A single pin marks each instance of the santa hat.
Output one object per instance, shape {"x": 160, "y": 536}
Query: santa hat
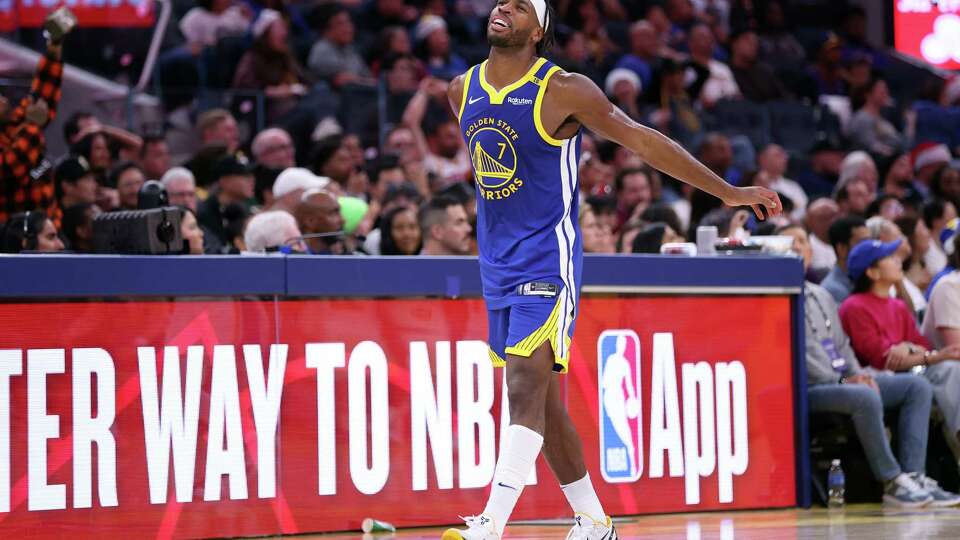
{"x": 428, "y": 24}
{"x": 262, "y": 24}
{"x": 928, "y": 153}
{"x": 622, "y": 74}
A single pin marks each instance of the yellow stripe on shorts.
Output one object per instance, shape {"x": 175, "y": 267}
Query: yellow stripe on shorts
{"x": 538, "y": 336}
{"x": 495, "y": 359}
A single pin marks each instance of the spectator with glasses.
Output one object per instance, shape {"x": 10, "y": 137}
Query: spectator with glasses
{"x": 274, "y": 148}
{"x": 30, "y": 231}
{"x": 181, "y": 188}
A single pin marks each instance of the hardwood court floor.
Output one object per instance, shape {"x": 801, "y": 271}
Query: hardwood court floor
{"x": 856, "y": 522}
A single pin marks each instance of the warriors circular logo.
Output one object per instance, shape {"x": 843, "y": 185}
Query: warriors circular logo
{"x": 494, "y": 158}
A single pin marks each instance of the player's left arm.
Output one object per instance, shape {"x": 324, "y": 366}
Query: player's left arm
{"x": 583, "y": 101}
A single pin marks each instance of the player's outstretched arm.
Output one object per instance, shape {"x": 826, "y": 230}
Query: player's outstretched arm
{"x": 586, "y": 103}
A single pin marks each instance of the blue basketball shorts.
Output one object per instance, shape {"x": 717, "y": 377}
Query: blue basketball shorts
{"x": 521, "y": 328}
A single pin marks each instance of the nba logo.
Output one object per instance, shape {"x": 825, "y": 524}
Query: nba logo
{"x": 621, "y": 434}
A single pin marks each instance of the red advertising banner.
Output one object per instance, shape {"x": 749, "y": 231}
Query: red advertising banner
{"x": 90, "y": 13}
{"x": 928, "y": 30}
{"x": 247, "y": 418}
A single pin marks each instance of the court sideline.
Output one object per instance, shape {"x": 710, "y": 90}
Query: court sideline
{"x": 856, "y": 522}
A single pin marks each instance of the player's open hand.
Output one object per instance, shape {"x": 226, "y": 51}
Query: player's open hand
{"x": 765, "y": 202}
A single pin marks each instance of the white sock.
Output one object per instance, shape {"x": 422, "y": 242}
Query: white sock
{"x": 517, "y": 458}
{"x": 583, "y": 499}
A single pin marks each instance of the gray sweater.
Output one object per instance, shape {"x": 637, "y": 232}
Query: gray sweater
{"x": 819, "y": 367}
{"x": 327, "y": 60}
{"x": 875, "y": 135}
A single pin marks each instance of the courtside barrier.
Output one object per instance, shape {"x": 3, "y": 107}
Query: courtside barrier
{"x": 187, "y": 397}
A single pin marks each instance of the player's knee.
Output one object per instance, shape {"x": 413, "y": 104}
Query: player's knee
{"x": 523, "y": 398}
{"x": 526, "y": 391}
{"x": 523, "y": 374}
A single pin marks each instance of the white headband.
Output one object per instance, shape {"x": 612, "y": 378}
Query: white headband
{"x": 540, "y": 6}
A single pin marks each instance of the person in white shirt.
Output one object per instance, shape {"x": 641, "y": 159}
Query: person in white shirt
{"x": 211, "y": 20}
{"x": 772, "y": 163}
{"x": 941, "y": 326}
{"x": 721, "y": 84}
{"x": 820, "y": 215}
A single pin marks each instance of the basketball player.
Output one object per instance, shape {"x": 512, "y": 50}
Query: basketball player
{"x": 521, "y": 118}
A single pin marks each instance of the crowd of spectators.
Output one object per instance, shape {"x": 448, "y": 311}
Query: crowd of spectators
{"x": 688, "y": 68}
{"x": 869, "y": 177}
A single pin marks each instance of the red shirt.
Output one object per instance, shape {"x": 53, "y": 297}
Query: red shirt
{"x": 875, "y": 324}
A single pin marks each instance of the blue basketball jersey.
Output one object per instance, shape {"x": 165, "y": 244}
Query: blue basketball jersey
{"x": 527, "y": 193}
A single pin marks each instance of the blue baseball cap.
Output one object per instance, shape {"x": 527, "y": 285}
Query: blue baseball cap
{"x": 868, "y": 252}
